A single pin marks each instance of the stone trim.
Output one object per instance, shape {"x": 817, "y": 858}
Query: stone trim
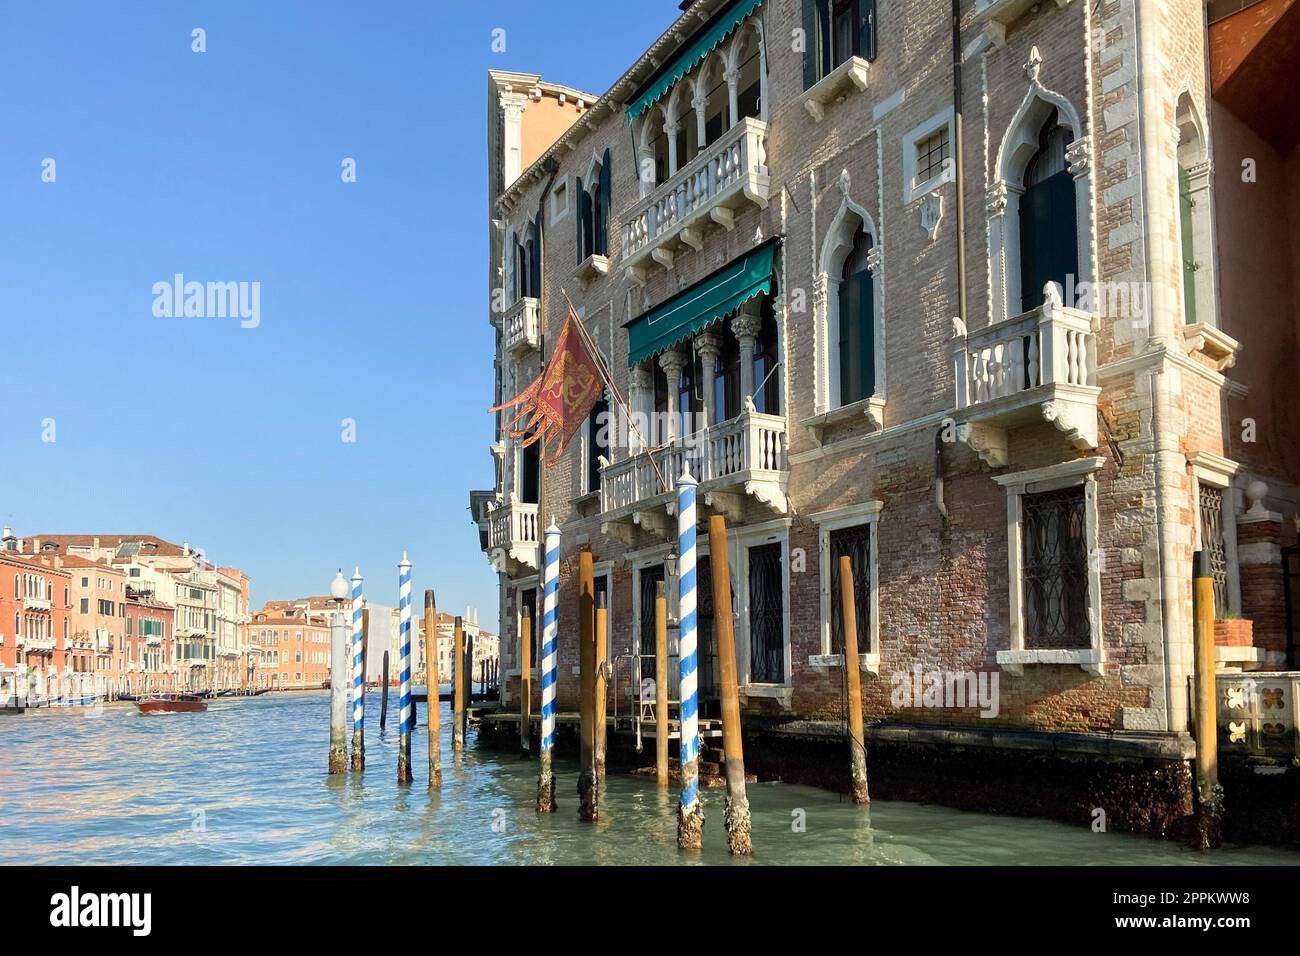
{"x": 868, "y": 513}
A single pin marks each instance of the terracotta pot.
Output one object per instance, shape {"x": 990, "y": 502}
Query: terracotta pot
{"x": 1234, "y": 633}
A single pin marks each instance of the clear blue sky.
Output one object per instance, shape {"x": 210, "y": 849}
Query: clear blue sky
{"x": 225, "y": 166}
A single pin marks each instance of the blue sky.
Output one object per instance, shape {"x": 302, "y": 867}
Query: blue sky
{"x": 225, "y": 166}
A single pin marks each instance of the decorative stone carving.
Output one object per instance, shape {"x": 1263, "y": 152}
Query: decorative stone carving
{"x": 958, "y": 327}
{"x": 1078, "y": 424}
{"x": 931, "y": 214}
{"x": 988, "y": 442}
{"x": 1078, "y": 155}
{"x": 996, "y": 201}
{"x": 1033, "y": 65}
{"x": 875, "y": 258}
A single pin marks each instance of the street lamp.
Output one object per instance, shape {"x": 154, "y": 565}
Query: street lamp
{"x": 339, "y": 588}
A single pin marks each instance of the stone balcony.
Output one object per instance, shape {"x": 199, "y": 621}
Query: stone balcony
{"x": 706, "y": 192}
{"x": 514, "y": 534}
{"x": 745, "y": 456}
{"x": 36, "y": 604}
{"x": 1039, "y": 366}
{"x": 39, "y": 643}
{"x": 994, "y": 17}
{"x": 520, "y": 327}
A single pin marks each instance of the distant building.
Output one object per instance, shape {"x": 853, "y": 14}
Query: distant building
{"x": 294, "y": 648}
{"x": 35, "y": 601}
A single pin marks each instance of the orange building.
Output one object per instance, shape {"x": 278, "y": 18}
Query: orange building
{"x": 295, "y": 648}
{"x": 96, "y": 644}
{"x": 35, "y": 599}
{"x": 148, "y": 625}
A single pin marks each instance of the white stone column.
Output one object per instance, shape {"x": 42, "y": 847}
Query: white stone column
{"x": 700, "y": 104}
{"x": 746, "y": 325}
{"x": 672, "y": 362}
{"x": 709, "y": 347}
{"x": 733, "y": 97}
{"x": 641, "y": 386}
{"x": 670, "y": 133}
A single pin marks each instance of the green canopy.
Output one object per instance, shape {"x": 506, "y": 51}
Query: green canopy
{"x": 722, "y": 27}
{"x": 704, "y": 303}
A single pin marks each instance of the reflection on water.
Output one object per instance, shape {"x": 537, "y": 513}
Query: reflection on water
{"x": 246, "y": 783}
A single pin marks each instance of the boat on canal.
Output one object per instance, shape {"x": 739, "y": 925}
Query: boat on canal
{"x": 172, "y": 704}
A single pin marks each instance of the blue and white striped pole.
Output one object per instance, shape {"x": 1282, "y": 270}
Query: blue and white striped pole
{"x": 550, "y": 655}
{"x": 404, "y": 669}
{"x": 690, "y": 815}
{"x": 358, "y": 679}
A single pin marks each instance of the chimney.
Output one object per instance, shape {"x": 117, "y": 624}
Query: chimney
{"x": 9, "y": 542}
{"x": 185, "y": 549}
{"x": 95, "y": 543}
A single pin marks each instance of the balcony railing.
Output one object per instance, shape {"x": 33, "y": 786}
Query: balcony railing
{"x": 514, "y": 531}
{"x": 708, "y": 189}
{"x": 520, "y": 329}
{"x": 1259, "y": 714}
{"x": 36, "y": 604}
{"x": 39, "y": 643}
{"x": 1042, "y": 364}
{"x": 748, "y": 451}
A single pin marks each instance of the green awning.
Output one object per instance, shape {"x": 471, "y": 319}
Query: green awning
{"x": 722, "y": 27}
{"x": 695, "y": 309}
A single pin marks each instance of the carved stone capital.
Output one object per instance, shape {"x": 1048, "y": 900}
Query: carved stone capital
{"x": 708, "y": 344}
{"x": 746, "y": 325}
{"x": 996, "y": 201}
{"x": 672, "y": 362}
{"x": 641, "y": 377}
{"x": 1078, "y": 155}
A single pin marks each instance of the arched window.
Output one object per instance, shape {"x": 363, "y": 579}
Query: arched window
{"x": 592, "y": 220}
{"x": 1194, "y": 226}
{"x": 1049, "y": 250}
{"x": 856, "y": 326}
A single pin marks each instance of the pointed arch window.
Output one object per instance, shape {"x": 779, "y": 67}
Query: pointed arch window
{"x": 856, "y": 330}
{"x": 592, "y": 221}
{"x": 1049, "y": 250}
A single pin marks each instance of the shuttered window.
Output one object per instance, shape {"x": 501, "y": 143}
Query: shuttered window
{"x": 592, "y": 222}
{"x": 1189, "y": 254}
{"x": 856, "y": 326}
{"x": 1049, "y": 250}
{"x": 834, "y": 31}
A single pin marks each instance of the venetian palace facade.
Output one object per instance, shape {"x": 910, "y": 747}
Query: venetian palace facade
{"x": 988, "y": 329}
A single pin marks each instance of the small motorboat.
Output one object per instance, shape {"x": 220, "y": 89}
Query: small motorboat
{"x": 172, "y": 704}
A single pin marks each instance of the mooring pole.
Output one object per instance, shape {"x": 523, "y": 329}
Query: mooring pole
{"x": 468, "y": 673}
{"x": 404, "y": 774}
{"x": 550, "y": 593}
{"x": 1209, "y": 794}
{"x": 432, "y": 680}
{"x": 587, "y": 809}
{"x": 525, "y": 681}
{"x": 853, "y": 673}
{"x": 601, "y": 654}
{"x": 358, "y": 676}
{"x": 338, "y": 693}
{"x": 690, "y": 815}
{"x": 458, "y": 687}
{"x": 661, "y": 685}
{"x": 383, "y": 696}
{"x": 735, "y": 814}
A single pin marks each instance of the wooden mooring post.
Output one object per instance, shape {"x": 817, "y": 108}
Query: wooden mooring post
{"x": 853, "y": 675}
{"x": 1209, "y": 795}
{"x": 661, "y": 685}
{"x": 525, "y": 682}
{"x": 383, "y": 696}
{"x": 458, "y": 687}
{"x": 601, "y": 677}
{"x": 432, "y": 680}
{"x": 587, "y": 809}
{"x": 735, "y": 814}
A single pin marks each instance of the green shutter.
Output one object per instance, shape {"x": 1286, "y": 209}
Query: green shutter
{"x": 812, "y": 71}
{"x": 602, "y": 227}
{"x": 867, "y": 29}
{"x": 1189, "y": 253}
{"x": 578, "y": 206}
{"x": 857, "y": 338}
{"x": 1049, "y": 249}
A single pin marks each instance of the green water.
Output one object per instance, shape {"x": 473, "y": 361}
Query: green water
{"x": 246, "y": 783}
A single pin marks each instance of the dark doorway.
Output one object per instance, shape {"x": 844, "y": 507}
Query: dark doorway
{"x": 766, "y": 616}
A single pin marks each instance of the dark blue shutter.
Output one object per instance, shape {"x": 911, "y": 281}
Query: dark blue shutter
{"x": 867, "y": 29}
{"x": 1049, "y": 250}
{"x": 535, "y": 267}
{"x": 857, "y": 338}
{"x": 813, "y": 18}
{"x": 602, "y": 227}
{"x": 579, "y": 206}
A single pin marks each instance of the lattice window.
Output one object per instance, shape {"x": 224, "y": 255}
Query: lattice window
{"x": 1212, "y": 543}
{"x": 766, "y": 616}
{"x": 856, "y": 543}
{"x": 1055, "y": 569}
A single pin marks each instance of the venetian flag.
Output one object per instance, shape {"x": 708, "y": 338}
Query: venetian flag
{"x": 557, "y": 403}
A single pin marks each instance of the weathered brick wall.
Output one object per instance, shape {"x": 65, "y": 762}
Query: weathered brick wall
{"x": 943, "y": 587}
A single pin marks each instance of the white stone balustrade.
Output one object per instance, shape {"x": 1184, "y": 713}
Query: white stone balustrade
{"x": 520, "y": 329}
{"x": 747, "y": 452}
{"x": 707, "y": 190}
{"x": 1042, "y": 363}
{"x": 513, "y": 530}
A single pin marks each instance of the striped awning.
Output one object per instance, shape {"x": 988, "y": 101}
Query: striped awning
{"x": 723, "y": 25}
{"x": 695, "y": 309}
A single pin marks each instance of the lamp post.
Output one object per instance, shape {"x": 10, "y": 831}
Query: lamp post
{"x": 338, "y": 759}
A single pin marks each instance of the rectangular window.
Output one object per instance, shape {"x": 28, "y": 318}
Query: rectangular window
{"x": 766, "y": 615}
{"x": 931, "y": 154}
{"x": 1054, "y": 569}
{"x": 856, "y": 543}
{"x": 1214, "y": 544}
{"x": 528, "y": 603}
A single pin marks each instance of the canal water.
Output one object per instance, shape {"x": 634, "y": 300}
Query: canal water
{"x": 245, "y": 783}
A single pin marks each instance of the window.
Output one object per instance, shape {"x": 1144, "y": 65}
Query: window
{"x": 528, "y": 607}
{"x": 766, "y": 615}
{"x": 592, "y": 221}
{"x": 855, "y": 543}
{"x": 932, "y": 154}
{"x": 596, "y": 442}
{"x": 559, "y": 201}
{"x": 85, "y": 605}
{"x": 1049, "y": 249}
{"x": 1054, "y": 568}
{"x": 1212, "y": 542}
{"x": 856, "y": 302}
{"x": 834, "y": 32}
{"x": 530, "y": 473}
